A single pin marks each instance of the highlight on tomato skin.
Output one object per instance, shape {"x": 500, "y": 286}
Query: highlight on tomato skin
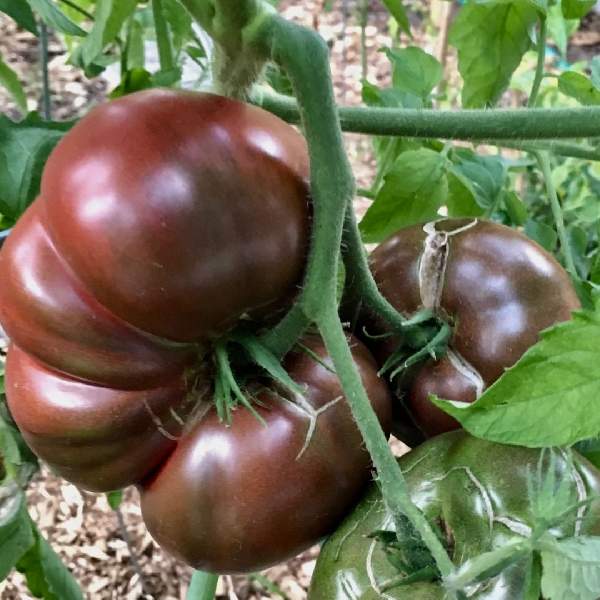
{"x": 146, "y": 242}
{"x": 497, "y": 289}
{"x": 246, "y": 497}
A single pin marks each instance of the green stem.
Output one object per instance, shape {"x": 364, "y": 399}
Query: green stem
{"x": 560, "y": 148}
{"x": 280, "y": 339}
{"x": 163, "y": 38}
{"x": 364, "y": 20}
{"x": 539, "y": 71}
{"x": 305, "y": 57}
{"x": 46, "y": 104}
{"x": 544, "y": 162}
{"x": 390, "y": 476}
{"x": 360, "y": 276}
{"x": 203, "y": 586}
{"x": 483, "y": 124}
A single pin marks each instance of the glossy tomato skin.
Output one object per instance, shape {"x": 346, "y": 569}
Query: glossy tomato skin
{"x": 240, "y": 499}
{"x": 186, "y": 204}
{"x": 99, "y": 438}
{"x": 496, "y": 287}
{"x": 475, "y": 489}
{"x": 163, "y": 219}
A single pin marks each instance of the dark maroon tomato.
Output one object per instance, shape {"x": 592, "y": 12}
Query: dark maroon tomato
{"x": 162, "y": 220}
{"x": 243, "y": 498}
{"x": 498, "y": 289}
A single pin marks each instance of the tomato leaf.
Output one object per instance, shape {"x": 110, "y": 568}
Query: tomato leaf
{"x": 484, "y": 175}
{"x": 578, "y": 86}
{"x": 560, "y": 29}
{"x": 397, "y": 10}
{"x": 55, "y": 18}
{"x": 543, "y": 234}
{"x": 415, "y": 71}
{"x": 577, "y": 9}
{"x": 557, "y": 377}
{"x": 491, "y": 40}
{"x": 47, "y": 576}
{"x": 20, "y": 11}
{"x": 461, "y": 196}
{"x": 108, "y": 20}
{"x": 16, "y": 536}
{"x": 571, "y": 568}
{"x": 24, "y": 149}
{"x": 9, "y": 79}
{"x": 414, "y": 189}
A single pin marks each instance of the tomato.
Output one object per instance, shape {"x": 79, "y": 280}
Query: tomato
{"x": 243, "y": 498}
{"x": 477, "y": 492}
{"x": 496, "y": 287}
{"x": 162, "y": 220}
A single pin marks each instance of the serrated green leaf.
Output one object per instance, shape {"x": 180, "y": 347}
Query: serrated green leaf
{"x": 571, "y": 569}
{"x": 578, "y": 86}
{"x": 491, "y": 40}
{"x": 16, "y": 536}
{"x": 577, "y": 9}
{"x": 415, "y": 71}
{"x": 20, "y": 11}
{"x": 414, "y": 189}
{"x": 47, "y": 577}
{"x": 9, "y": 80}
{"x": 55, "y": 18}
{"x": 558, "y": 376}
{"x": 24, "y": 149}
{"x": 109, "y": 17}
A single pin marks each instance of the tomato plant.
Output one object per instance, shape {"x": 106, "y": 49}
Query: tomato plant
{"x": 169, "y": 252}
{"x": 454, "y": 479}
{"x": 498, "y": 290}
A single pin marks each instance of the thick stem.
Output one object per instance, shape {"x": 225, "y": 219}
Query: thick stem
{"x": 544, "y": 162}
{"x": 390, "y": 476}
{"x": 476, "y": 125}
{"x": 539, "y": 71}
{"x": 203, "y": 586}
{"x": 280, "y": 339}
{"x": 305, "y": 58}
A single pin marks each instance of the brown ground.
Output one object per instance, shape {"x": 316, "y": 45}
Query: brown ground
{"x": 80, "y": 526}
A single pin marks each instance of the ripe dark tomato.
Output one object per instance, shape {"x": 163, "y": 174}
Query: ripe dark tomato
{"x": 496, "y": 287}
{"x": 248, "y": 496}
{"x": 163, "y": 218}
{"x": 477, "y": 493}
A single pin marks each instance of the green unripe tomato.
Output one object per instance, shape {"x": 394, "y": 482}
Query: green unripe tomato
{"x": 476, "y": 493}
